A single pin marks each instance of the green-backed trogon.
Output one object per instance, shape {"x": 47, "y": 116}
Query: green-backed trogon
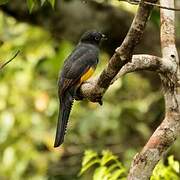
{"x": 77, "y": 68}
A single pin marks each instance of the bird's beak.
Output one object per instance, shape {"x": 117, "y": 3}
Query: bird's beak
{"x": 104, "y": 37}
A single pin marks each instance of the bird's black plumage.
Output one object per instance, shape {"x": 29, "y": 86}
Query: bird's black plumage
{"x": 83, "y": 58}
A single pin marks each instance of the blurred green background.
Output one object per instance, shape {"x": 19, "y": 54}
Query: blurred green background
{"x": 133, "y": 106}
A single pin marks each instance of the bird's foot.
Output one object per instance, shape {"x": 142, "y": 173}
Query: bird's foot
{"x": 93, "y": 98}
{"x": 97, "y": 98}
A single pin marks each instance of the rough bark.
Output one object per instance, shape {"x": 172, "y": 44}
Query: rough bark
{"x": 142, "y": 62}
{"x": 169, "y": 130}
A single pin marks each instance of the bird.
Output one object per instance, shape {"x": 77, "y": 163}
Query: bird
{"x": 78, "y": 67}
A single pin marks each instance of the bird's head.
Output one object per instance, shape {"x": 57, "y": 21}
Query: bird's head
{"x": 92, "y": 37}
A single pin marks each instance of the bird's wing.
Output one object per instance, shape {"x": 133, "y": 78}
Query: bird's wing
{"x": 74, "y": 69}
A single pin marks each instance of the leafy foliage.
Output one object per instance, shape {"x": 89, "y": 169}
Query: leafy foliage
{"x": 108, "y": 167}
{"x": 24, "y": 102}
{"x": 3, "y": 1}
{"x": 32, "y": 3}
{"x": 163, "y": 172}
{"x": 52, "y": 2}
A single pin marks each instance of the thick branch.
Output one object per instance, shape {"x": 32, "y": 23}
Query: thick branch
{"x": 142, "y": 62}
{"x": 152, "y": 152}
{"x": 145, "y": 62}
{"x": 169, "y": 130}
{"x": 122, "y": 55}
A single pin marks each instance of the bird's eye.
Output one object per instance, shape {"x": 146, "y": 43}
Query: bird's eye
{"x": 97, "y": 38}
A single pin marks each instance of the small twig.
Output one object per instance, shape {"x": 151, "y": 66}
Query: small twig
{"x": 7, "y": 62}
{"x": 136, "y": 2}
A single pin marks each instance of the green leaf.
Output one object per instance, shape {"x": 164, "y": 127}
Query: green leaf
{"x": 89, "y": 155}
{"x": 42, "y": 2}
{"x": 117, "y": 174}
{"x": 90, "y": 158}
{"x": 52, "y": 2}
{"x": 88, "y": 165}
{"x": 171, "y": 171}
{"x": 101, "y": 173}
{"x": 3, "y": 2}
{"x": 107, "y": 156}
{"x": 174, "y": 164}
{"x": 158, "y": 170}
{"x": 30, "y": 4}
{"x": 112, "y": 167}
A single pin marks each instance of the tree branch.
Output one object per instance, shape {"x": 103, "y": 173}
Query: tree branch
{"x": 142, "y": 62}
{"x": 145, "y": 62}
{"x": 123, "y": 54}
{"x": 136, "y": 2}
{"x": 169, "y": 130}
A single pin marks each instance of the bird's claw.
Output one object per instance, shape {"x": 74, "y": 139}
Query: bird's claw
{"x": 98, "y": 99}
{"x": 94, "y": 98}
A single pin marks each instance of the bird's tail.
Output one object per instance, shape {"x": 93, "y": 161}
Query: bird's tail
{"x": 64, "y": 112}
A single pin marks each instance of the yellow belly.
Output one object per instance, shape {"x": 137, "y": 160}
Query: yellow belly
{"x": 87, "y": 75}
